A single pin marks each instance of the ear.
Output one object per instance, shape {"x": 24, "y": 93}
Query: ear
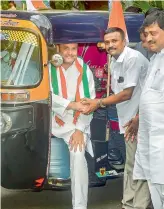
{"x": 125, "y": 42}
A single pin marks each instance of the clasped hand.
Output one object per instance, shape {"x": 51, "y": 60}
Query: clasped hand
{"x": 86, "y": 106}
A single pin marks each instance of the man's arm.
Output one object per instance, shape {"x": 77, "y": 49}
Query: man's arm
{"x": 124, "y": 95}
{"x": 85, "y": 120}
{"x": 113, "y": 99}
{"x": 131, "y": 76}
{"x": 60, "y": 105}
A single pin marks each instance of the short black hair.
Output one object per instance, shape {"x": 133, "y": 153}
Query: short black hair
{"x": 141, "y": 30}
{"x": 151, "y": 10}
{"x": 115, "y": 29}
{"x": 155, "y": 17}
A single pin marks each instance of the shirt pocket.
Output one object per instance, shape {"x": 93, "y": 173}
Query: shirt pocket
{"x": 157, "y": 83}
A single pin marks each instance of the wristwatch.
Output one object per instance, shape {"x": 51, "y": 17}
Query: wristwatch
{"x": 100, "y": 103}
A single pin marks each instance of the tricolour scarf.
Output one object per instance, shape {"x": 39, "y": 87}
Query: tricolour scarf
{"x": 82, "y": 78}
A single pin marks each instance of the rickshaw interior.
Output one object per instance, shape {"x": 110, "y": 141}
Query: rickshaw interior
{"x": 21, "y": 60}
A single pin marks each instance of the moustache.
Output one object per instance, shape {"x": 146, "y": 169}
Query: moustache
{"x": 110, "y": 48}
{"x": 151, "y": 42}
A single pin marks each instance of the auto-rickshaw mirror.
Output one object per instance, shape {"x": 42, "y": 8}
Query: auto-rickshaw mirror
{"x": 54, "y": 57}
{"x": 57, "y": 60}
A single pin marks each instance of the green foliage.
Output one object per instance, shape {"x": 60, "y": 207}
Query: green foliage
{"x": 67, "y": 5}
{"x": 62, "y": 5}
{"x": 81, "y": 5}
{"x": 145, "y": 5}
{"x": 158, "y": 4}
{"x": 4, "y": 5}
{"x": 104, "y": 8}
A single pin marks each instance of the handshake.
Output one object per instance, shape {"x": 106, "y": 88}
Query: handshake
{"x": 85, "y": 106}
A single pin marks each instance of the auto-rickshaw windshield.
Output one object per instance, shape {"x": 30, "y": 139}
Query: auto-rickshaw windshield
{"x": 20, "y": 58}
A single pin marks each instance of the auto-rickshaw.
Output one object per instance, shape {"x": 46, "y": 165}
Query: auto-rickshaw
{"x": 29, "y": 159}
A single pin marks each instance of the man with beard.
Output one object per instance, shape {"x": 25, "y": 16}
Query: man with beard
{"x": 128, "y": 72}
{"x": 149, "y": 160}
{"x": 71, "y": 82}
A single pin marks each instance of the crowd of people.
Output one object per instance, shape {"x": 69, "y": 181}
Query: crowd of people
{"x": 137, "y": 80}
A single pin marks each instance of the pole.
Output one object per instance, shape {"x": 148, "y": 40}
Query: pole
{"x": 108, "y": 92}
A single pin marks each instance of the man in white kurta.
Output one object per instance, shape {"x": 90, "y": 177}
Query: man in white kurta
{"x": 149, "y": 159}
{"x": 74, "y": 135}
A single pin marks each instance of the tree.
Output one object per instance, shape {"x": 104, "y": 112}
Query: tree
{"x": 67, "y": 5}
{"x": 4, "y": 5}
{"x": 145, "y": 5}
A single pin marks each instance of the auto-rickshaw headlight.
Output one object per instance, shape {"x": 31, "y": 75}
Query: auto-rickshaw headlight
{"x": 5, "y": 123}
{"x": 16, "y": 119}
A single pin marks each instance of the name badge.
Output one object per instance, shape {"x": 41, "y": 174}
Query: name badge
{"x": 120, "y": 80}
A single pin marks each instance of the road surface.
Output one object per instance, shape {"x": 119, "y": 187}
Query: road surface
{"x": 108, "y": 197}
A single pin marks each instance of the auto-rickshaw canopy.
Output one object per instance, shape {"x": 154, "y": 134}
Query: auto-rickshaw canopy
{"x": 76, "y": 26}
{"x": 26, "y": 103}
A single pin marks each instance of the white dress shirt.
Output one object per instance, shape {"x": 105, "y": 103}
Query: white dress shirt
{"x": 129, "y": 70}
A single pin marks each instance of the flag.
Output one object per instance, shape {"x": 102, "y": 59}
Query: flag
{"x": 116, "y": 17}
{"x": 37, "y": 4}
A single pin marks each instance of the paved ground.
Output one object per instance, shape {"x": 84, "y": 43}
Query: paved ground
{"x": 107, "y": 197}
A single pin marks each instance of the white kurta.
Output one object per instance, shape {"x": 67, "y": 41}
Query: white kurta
{"x": 149, "y": 160}
{"x": 78, "y": 164}
{"x": 59, "y": 105}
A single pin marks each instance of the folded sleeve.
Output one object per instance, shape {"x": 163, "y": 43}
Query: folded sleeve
{"x": 59, "y": 105}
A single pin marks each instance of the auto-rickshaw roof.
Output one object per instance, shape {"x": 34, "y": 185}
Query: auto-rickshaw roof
{"x": 79, "y": 26}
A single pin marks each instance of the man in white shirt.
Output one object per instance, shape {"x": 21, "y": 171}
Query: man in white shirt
{"x": 70, "y": 83}
{"x": 149, "y": 159}
{"x": 128, "y": 72}
{"x": 143, "y": 46}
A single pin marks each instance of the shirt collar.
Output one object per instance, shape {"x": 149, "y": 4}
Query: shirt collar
{"x": 71, "y": 66}
{"x": 162, "y": 51}
{"x": 121, "y": 57}
{"x": 159, "y": 53}
{"x": 153, "y": 57}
